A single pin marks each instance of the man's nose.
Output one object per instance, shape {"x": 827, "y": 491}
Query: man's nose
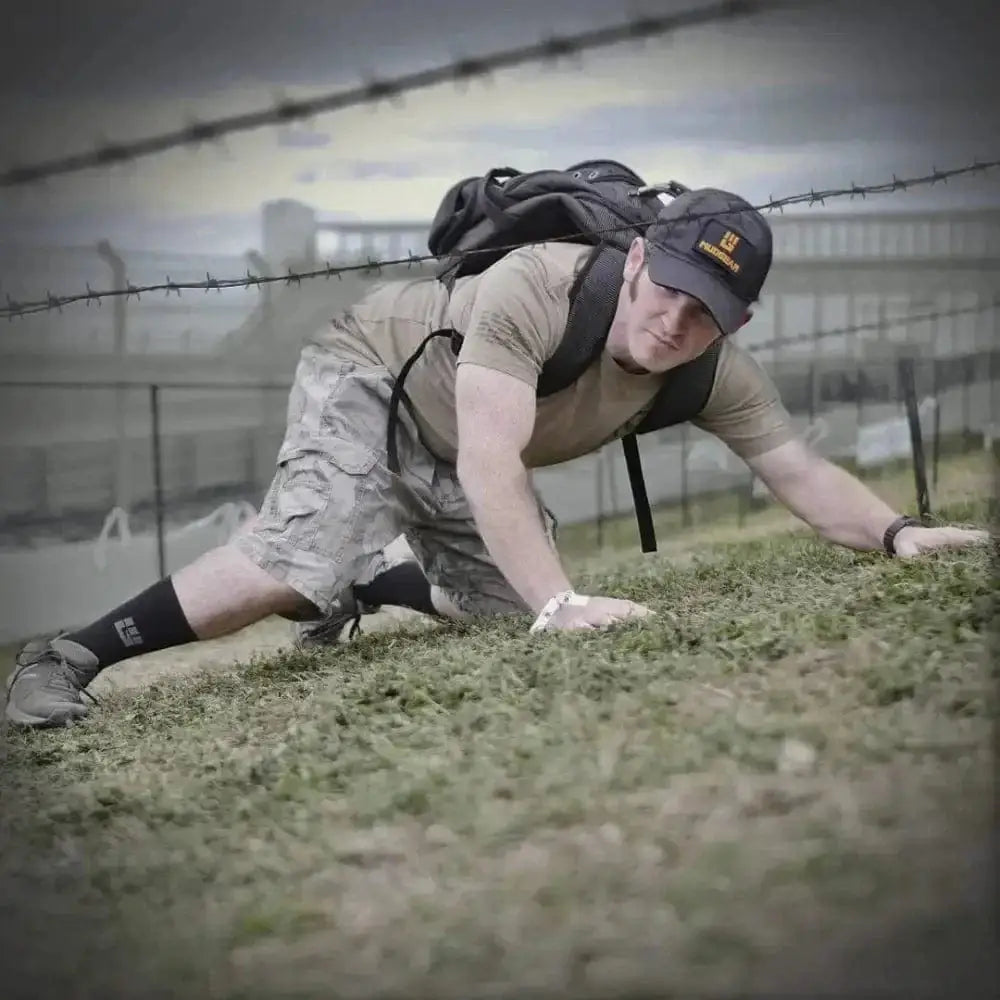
{"x": 688, "y": 312}
{"x": 680, "y": 319}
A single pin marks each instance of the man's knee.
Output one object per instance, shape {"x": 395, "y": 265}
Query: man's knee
{"x": 280, "y": 596}
{"x": 225, "y": 589}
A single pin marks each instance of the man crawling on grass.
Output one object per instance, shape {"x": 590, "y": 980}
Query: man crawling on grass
{"x": 470, "y": 429}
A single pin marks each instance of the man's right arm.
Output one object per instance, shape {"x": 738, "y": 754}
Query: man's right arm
{"x": 511, "y": 330}
{"x": 496, "y": 417}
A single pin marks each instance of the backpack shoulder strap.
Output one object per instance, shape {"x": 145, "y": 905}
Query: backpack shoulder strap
{"x": 684, "y": 392}
{"x": 593, "y": 300}
{"x": 398, "y": 394}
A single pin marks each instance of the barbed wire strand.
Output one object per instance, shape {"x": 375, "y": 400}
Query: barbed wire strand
{"x": 392, "y": 89}
{"x": 51, "y": 302}
{"x": 882, "y": 324}
{"x": 886, "y": 323}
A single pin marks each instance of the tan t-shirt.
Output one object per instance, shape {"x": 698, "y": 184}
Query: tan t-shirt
{"x": 512, "y": 318}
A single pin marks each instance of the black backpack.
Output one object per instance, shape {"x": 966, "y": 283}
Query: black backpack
{"x": 598, "y": 202}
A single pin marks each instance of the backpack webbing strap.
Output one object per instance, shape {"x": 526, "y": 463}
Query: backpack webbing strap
{"x": 643, "y": 515}
{"x": 686, "y": 391}
{"x": 593, "y": 301}
{"x": 392, "y": 453}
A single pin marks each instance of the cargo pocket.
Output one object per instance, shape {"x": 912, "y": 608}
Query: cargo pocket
{"x": 325, "y": 484}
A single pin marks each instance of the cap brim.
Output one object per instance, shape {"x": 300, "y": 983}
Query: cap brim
{"x": 728, "y": 310}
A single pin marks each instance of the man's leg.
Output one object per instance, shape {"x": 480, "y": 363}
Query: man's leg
{"x": 463, "y": 578}
{"x": 327, "y": 512}
{"x": 219, "y": 593}
{"x": 445, "y": 571}
{"x": 393, "y": 577}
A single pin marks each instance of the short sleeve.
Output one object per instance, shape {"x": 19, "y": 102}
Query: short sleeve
{"x": 744, "y": 409}
{"x": 516, "y": 317}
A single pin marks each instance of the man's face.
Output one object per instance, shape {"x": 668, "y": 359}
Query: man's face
{"x": 660, "y": 328}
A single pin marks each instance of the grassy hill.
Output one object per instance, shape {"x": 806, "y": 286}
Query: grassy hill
{"x": 787, "y": 776}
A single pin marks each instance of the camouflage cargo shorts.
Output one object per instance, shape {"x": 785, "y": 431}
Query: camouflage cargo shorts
{"x": 334, "y": 506}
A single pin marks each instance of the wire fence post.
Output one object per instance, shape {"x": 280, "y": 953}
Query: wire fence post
{"x": 969, "y": 375}
{"x": 859, "y": 392}
{"x": 936, "y": 452}
{"x": 154, "y": 412}
{"x": 814, "y": 357}
{"x": 612, "y": 488}
{"x": 685, "y": 497}
{"x": 122, "y": 487}
{"x": 909, "y": 388}
{"x": 599, "y": 476}
{"x": 778, "y": 328}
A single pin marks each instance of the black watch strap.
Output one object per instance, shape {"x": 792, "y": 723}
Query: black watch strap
{"x": 889, "y": 538}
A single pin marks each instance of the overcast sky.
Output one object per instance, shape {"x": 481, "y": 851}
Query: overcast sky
{"x": 842, "y": 91}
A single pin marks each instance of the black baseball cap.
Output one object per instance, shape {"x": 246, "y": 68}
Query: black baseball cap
{"x": 720, "y": 255}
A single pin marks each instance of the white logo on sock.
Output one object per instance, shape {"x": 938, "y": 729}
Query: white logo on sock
{"x": 128, "y": 633}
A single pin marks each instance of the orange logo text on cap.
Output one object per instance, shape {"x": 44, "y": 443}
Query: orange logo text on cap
{"x": 720, "y": 254}
{"x": 729, "y": 242}
{"x": 725, "y": 246}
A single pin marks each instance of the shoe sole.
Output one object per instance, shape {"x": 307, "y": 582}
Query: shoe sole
{"x": 19, "y": 718}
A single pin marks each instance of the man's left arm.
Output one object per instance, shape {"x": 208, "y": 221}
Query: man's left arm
{"x": 841, "y": 508}
{"x": 745, "y": 412}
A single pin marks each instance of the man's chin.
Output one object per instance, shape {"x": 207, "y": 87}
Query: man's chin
{"x": 658, "y": 362}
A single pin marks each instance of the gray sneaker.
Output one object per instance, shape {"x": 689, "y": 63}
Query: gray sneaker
{"x": 48, "y": 683}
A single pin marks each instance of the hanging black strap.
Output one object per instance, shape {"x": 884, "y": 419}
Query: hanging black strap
{"x": 643, "y": 515}
{"x": 392, "y": 453}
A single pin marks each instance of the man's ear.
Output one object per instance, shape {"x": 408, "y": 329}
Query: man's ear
{"x": 634, "y": 259}
{"x": 747, "y": 316}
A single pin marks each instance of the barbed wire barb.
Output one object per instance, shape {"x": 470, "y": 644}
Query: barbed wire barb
{"x": 464, "y": 68}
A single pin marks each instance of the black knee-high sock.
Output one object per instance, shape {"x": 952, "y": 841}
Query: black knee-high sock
{"x": 404, "y": 586}
{"x": 147, "y": 622}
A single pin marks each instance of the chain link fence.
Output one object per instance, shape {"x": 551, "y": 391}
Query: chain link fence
{"x": 197, "y": 459}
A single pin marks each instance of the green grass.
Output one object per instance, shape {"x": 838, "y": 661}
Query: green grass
{"x": 452, "y": 810}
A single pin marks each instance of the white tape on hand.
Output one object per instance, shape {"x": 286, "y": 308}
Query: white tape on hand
{"x": 554, "y": 604}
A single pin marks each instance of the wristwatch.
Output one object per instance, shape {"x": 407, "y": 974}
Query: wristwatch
{"x": 889, "y": 538}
